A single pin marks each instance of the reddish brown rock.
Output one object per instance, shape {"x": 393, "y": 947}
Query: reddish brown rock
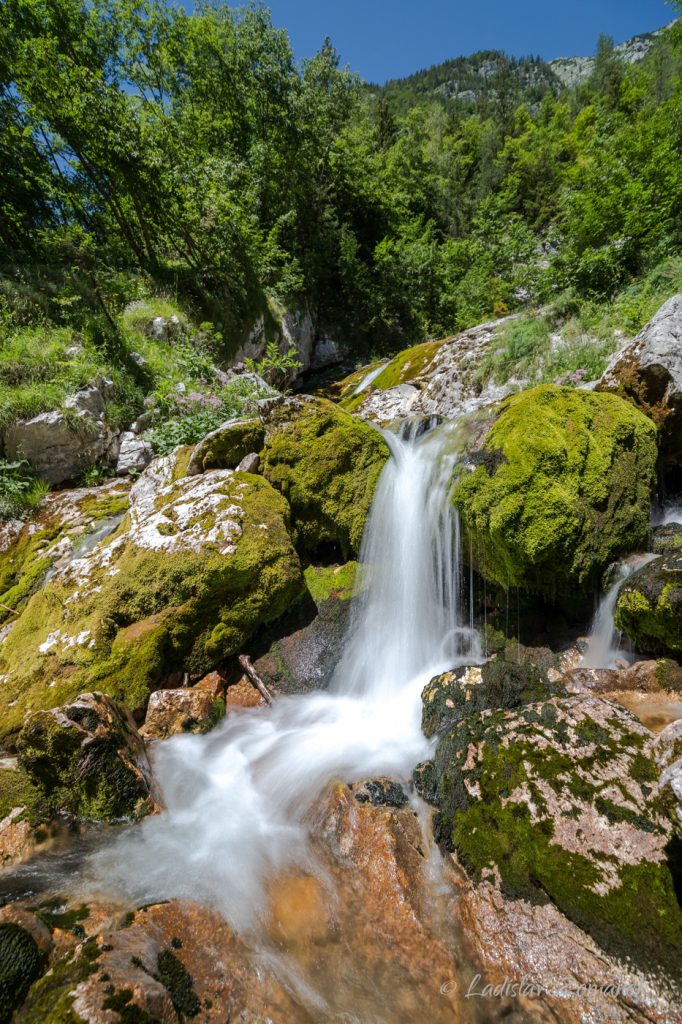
{"x": 214, "y": 683}
{"x": 560, "y": 974}
{"x": 171, "y": 712}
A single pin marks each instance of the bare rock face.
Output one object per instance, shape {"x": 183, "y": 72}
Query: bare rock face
{"x": 133, "y": 454}
{"x": 649, "y": 370}
{"x": 88, "y": 759}
{"x": 536, "y": 959}
{"x": 435, "y": 378}
{"x": 668, "y": 754}
{"x": 559, "y": 801}
{"x": 60, "y": 445}
{"x": 171, "y": 712}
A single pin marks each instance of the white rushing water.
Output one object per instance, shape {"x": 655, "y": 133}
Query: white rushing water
{"x": 235, "y": 799}
{"x": 369, "y": 377}
{"x": 603, "y": 648}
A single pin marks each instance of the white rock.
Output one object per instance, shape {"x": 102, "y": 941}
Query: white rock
{"x": 134, "y": 454}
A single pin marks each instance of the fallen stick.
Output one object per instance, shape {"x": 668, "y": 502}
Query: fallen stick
{"x": 8, "y": 609}
{"x": 254, "y": 678}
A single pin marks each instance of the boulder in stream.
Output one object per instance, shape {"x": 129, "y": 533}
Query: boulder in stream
{"x": 88, "y": 759}
{"x": 559, "y": 801}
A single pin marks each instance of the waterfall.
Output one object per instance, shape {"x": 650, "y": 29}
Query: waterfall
{"x": 235, "y": 799}
{"x": 603, "y": 647}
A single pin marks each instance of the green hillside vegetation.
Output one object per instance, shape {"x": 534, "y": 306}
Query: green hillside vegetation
{"x": 189, "y": 165}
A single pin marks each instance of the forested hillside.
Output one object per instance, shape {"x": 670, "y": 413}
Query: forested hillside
{"x": 155, "y": 157}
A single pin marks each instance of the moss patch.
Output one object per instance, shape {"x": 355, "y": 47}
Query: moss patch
{"x": 560, "y": 489}
{"x": 50, "y": 1000}
{"x": 20, "y": 962}
{"x": 326, "y": 463}
{"x": 143, "y": 613}
{"x": 649, "y": 607}
{"x": 331, "y": 581}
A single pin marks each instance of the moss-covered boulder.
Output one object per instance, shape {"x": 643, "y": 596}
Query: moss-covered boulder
{"x": 667, "y": 539}
{"x": 649, "y": 606}
{"x": 194, "y": 570}
{"x": 452, "y": 696}
{"x": 558, "y": 801}
{"x": 560, "y": 488}
{"x": 88, "y": 759}
{"x": 20, "y": 965}
{"x": 227, "y": 445}
{"x": 326, "y": 463}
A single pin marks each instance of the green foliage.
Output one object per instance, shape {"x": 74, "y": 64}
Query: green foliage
{"x": 190, "y": 417}
{"x": 20, "y": 493}
{"x": 147, "y": 162}
{"x": 276, "y": 367}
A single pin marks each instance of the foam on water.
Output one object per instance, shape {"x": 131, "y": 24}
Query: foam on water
{"x": 235, "y": 800}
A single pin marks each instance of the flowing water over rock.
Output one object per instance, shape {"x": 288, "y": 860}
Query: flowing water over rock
{"x": 236, "y": 800}
{"x": 603, "y": 648}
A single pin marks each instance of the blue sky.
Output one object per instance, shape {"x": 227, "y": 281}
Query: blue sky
{"x": 390, "y": 38}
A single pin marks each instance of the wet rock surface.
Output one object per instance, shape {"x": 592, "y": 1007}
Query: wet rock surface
{"x": 649, "y": 606}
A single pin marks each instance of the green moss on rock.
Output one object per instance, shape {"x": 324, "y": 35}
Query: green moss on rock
{"x": 558, "y": 801}
{"x": 88, "y": 759}
{"x": 326, "y": 463}
{"x": 225, "y": 447}
{"x": 452, "y": 696}
{"x": 561, "y": 487}
{"x": 17, "y": 790}
{"x": 649, "y": 606}
{"x": 50, "y": 999}
{"x": 331, "y": 581}
{"x": 20, "y": 963}
{"x": 149, "y": 600}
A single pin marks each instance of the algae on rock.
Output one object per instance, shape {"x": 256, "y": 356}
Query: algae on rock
{"x": 326, "y": 463}
{"x": 561, "y": 488}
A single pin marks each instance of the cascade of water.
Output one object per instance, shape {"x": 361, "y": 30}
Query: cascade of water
{"x": 235, "y": 799}
{"x": 603, "y": 648}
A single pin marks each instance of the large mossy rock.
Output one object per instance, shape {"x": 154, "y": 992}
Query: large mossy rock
{"x": 649, "y": 606}
{"x": 326, "y": 463}
{"x": 559, "y": 801}
{"x": 561, "y": 487}
{"x": 20, "y": 966}
{"x": 88, "y": 759}
{"x": 196, "y": 567}
{"x": 227, "y": 445}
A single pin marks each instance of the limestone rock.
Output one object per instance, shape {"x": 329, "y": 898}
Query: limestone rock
{"x": 171, "y": 712}
{"x": 59, "y": 445}
{"x": 557, "y": 971}
{"x": 435, "y": 378}
{"x": 559, "y": 801}
{"x": 133, "y": 454}
{"x": 88, "y": 758}
{"x": 649, "y": 369}
{"x": 250, "y": 463}
{"x": 197, "y": 566}
{"x": 452, "y": 696}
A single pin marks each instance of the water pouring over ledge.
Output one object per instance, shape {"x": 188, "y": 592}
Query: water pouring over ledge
{"x": 236, "y": 799}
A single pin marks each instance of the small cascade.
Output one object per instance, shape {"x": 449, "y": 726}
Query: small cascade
{"x": 368, "y": 378}
{"x": 603, "y": 648}
{"x": 235, "y": 800}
